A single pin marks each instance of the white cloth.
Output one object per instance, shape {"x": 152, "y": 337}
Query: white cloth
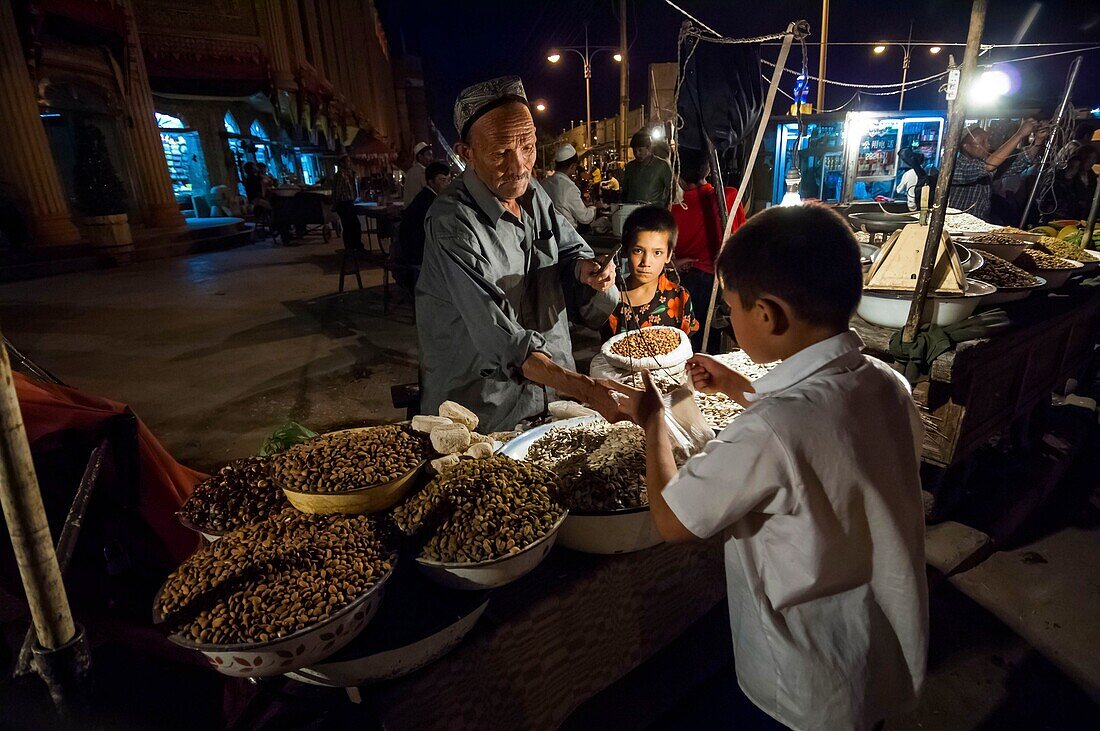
{"x": 566, "y": 197}
{"x": 414, "y": 182}
{"x": 817, "y": 485}
{"x": 908, "y": 186}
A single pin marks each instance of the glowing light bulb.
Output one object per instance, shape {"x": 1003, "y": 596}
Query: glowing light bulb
{"x": 990, "y": 86}
{"x": 618, "y": 57}
{"x": 554, "y": 57}
{"x": 879, "y": 49}
{"x": 934, "y": 50}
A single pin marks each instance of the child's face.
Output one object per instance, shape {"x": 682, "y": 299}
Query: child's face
{"x": 755, "y": 326}
{"x": 648, "y": 256}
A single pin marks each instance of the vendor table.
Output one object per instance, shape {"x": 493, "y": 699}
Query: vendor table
{"x": 558, "y": 637}
{"x": 984, "y": 385}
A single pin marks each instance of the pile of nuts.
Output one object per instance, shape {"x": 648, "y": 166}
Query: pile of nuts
{"x": 1038, "y": 261}
{"x": 240, "y": 493}
{"x": 648, "y": 342}
{"x": 482, "y": 510}
{"x": 349, "y": 460}
{"x": 1000, "y": 273}
{"x": 1064, "y": 249}
{"x": 966, "y": 223}
{"x": 273, "y": 578}
{"x": 992, "y": 239}
{"x": 600, "y": 466}
{"x": 717, "y": 408}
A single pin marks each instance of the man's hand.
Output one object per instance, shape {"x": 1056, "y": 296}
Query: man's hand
{"x": 613, "y": 400}
{"x": 648, "y": 405}
{"x": 1026, "y": 128}
{"x": 1042, "y": 132}
{"x": 598, "y": 278}
{"x": 710, "y": 376}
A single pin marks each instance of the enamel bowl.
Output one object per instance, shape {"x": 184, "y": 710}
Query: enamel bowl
{"x": 495, "y": 572}
{"x": 300, "y": 649}
{"x": 1013, "y": 294}
{"x": 891, "y": 309}
{"x": 1056, "y": 278}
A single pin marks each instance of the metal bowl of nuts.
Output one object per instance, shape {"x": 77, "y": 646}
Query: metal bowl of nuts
{"x": 494, "y": 572}
{"x": 279, "y": 594}
{"x": 298, "y": 650}
{"x": 487, "y": 522}
{"x": 601, "y": 468}
{"x": 354, "y": 471}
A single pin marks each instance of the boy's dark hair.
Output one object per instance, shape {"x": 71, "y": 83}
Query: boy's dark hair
{"x": 649, "y": 218}
{"x": 694, "y": 165}
{"x": 805, "y": 255}
{"x": 436, "y": 168}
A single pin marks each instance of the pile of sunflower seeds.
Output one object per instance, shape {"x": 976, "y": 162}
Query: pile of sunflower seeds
{"x": 1064, "y": 249}
{"x": 717, "y": 408}
{"x": 600, "y": 466}
{"x": 1038, "y": 261}
{"x": 241, "y": 492}
{"x": 1000, "y": 273}
{"x": 482, "y": 510}
{"x": 647, "y": 343}
{"x": 273, "y": 578}
{"x": 350, "y": 460}
{"x": 992, "y": 239}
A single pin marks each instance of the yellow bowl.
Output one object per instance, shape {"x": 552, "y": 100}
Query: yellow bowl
{"x": 360, "y": 501}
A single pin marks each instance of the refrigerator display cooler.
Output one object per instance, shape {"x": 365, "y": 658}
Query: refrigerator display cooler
{"x": 854, "y": 157}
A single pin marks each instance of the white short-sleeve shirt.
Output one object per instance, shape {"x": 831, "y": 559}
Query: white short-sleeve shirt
{"x": 817, "y": 488}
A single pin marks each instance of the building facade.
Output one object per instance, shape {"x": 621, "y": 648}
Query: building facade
{"x": 184, "y": 94}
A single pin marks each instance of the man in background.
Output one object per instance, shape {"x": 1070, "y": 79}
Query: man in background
{"x": 978, "y": 164}
{"x": 415, "y": 177}
{"x": 647, "y": 179}
{"x": 564, "y": 193}
{"x": 409, "y": 253}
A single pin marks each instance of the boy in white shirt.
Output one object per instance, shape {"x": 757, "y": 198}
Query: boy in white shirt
{"x": 815, "y": 486}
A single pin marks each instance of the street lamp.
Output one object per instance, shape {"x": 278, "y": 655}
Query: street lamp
{"x": 906, "y": 48}
{"x": 587, "y": 53}
{"x": 540, "y": 106}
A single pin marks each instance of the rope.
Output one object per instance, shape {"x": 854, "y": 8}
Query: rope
{"x": 908, "y": 84}
{"x": 695, "y": 20}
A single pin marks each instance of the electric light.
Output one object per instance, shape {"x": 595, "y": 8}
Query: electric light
{"x": 934, "y": 50}
{"x": 554, "y": 57}
{"x": 879, "y": 49}
{"x": 658, "y": 133}
{"x": 540, "y": 106}
{"x": 792, "y": 180}
{"x": 990, "y": 86}
{"x": 618, "y": 57}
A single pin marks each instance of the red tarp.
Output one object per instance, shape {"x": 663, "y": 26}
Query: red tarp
{"x": 165, "y": 483}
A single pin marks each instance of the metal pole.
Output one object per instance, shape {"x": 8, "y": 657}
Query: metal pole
{"x": 905, "y": 66}
{"x": 1086, "y": 242}
{"x": 777, "y": 75}
{"x": 956, "y": 119}
{"x": 821, "y": 55}
{"x": 1073, "y": 69}
{"x": 624, "y": 83}
{"x": 904, "y": 76}
{"x": 587, "y": 90}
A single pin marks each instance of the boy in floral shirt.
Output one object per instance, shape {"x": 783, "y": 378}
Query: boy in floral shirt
{"x": 650, "y": 297}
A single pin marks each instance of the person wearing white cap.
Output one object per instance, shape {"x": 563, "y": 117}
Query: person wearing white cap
{"x": 414, "y": 176}
{"x": 564, "y": 192}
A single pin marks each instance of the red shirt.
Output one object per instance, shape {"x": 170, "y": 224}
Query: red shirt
{"x": 700, "y": 235}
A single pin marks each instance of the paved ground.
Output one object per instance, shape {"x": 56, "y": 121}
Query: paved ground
{"x": 215, "y": 351}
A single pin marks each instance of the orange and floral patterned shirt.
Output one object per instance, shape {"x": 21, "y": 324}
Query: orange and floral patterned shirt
{"x": 671, "y": 306}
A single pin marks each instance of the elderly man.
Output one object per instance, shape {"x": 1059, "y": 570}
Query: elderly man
{"x": 647, "y": 178}
{"x": 501, "y": 271}
{"x": 414, "y": 177}
{"x": 978, "y": 164}
{"x": 563, "y": 192}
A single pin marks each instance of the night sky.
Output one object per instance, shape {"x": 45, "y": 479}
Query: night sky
{"x": 472, "y": 40}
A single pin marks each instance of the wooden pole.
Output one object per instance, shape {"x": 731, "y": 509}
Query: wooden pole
{"x": 777, "y": 76}
{"x": 955, "y": 122}
{"x": 26, "y": 518}
{"x": 821, "y": 56}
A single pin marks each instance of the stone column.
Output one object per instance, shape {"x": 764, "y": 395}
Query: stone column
{"x": 27, "y": 162}
{"x": 275, "y": 39}
{"x": 153, "y": 185}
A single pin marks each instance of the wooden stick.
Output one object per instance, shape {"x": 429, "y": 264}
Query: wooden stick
{"x": 26, "y": 519}
{"x": 777, "y": 76}
{"x": 956, "y": 119}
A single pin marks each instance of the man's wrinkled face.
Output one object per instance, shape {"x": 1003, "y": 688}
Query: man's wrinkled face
{"x": 501, "y": 150}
